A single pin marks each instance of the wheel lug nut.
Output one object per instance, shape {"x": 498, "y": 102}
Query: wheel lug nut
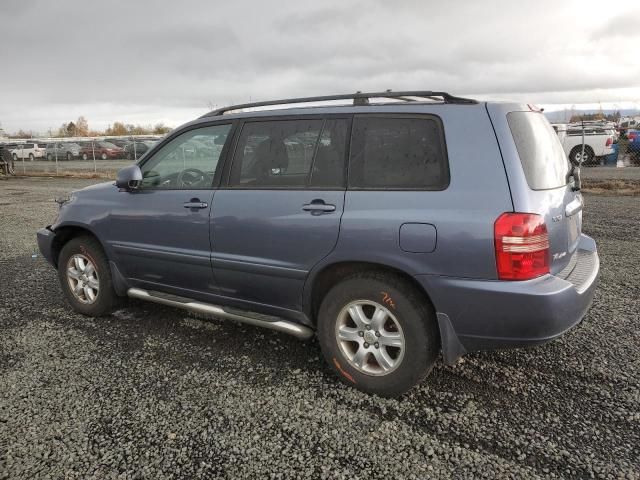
{"x": 377, "y": 345}
{"x": 361, "y": 334}
{"x": 366, "y": 345}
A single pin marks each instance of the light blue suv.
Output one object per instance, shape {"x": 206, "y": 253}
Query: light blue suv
{"x": 394, "y": 226}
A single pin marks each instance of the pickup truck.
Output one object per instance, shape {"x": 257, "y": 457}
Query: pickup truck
{"x": 598, "y": 142}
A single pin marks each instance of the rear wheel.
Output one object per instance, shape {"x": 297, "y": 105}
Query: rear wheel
{"x": 69, "y": 156}
{"x": 103, "y": 156}
{"x": 49, "y": 157}
{"x": 15, "y": 157}
{"x": 577, "y": 158}
{"x": 31, "y": 157}
{"x": 85, "y": 156}
{"x": 85, "y": 277}
{"x": 378, "y": 333}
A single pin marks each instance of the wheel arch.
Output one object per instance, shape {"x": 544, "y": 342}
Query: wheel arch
{"x": 320, "y": 282}
{"x": 65, "y": 233}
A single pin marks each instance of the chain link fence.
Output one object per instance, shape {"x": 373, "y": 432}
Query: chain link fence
{"x": 80, "y": 156}
{"x": 588, "y": 143}
{"x": 591, "y": 143}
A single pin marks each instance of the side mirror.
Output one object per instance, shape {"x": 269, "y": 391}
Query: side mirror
{"x": 129, "y": 178}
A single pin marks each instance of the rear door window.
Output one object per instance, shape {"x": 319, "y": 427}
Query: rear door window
{"x": 543, "y": 159}
{"x": 398, "y": 153}
{"x": 290, "y": 154}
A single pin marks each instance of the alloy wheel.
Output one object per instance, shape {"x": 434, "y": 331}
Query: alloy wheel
{"x": 370, "y": 337}
{"x": 83, "y": 278}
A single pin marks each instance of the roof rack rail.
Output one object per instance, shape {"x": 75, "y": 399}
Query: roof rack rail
{"x": 358, "y": 98}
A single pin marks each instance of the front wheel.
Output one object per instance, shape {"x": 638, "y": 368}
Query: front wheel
{"x": 69, "y": 156}
{"x": 85, "y": 277}
{"x": 378, "y": 333}
{"x": 103, "y": 156}
{"x": 85, "y": 156}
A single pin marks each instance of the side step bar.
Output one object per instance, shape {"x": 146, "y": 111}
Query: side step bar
{"x": 256, "y": 319}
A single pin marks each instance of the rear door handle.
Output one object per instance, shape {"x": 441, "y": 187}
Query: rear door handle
{"x": 195, "y": 204}
{"x": 318, "y": 206}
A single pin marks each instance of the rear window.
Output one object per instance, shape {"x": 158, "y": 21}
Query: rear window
{"x": 543, "y": 160}
{"x": 398, "y": 153}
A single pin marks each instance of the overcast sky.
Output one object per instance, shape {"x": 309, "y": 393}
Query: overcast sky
{"x": 146, "y": 62}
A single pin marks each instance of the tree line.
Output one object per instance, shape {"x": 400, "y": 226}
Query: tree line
{"x": 80, "y": 128}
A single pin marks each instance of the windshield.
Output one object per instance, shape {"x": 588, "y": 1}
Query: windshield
{"x": 543, "y": 159}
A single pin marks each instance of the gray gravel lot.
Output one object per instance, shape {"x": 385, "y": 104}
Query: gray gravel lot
{"x": 151, "y": 392}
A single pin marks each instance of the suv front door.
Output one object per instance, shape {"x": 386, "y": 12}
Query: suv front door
{"x": 160, "y": 232}
{"x": 279, "y": 213}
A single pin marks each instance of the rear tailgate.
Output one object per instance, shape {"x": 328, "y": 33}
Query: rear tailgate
{"x": 538, "y": 173}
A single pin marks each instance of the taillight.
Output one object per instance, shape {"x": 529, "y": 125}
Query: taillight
{"x": 632, "y": 135}
{"x": 609, "y": 141}
{"x": 522, "y": 246}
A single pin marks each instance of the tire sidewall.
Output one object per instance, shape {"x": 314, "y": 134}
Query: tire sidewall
{"x": 415, "y": 320}
{"x": 91, "y": 249}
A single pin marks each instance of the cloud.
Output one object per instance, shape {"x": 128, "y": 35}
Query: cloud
{"x": 149, "y": 61}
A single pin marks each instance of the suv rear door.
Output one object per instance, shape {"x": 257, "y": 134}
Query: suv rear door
{"x": 539, "y": 177}
{"x": 279, "y": 213}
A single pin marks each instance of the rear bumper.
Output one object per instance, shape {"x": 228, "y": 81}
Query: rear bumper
{"x": 486, "y": 315}
{"x": 45, "y": 238}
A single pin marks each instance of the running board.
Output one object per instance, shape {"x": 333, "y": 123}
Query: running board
{"x": 250, "y": 318}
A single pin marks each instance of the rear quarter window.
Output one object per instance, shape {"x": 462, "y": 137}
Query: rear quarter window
{"x": 543, "y": 159}
{"x": 398, "y": 153}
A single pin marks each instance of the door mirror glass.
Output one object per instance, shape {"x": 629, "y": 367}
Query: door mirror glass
{"x": 129, "y": 178}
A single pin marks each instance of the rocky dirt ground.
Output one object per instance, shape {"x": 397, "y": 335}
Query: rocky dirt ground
{"x": 151, "y": 392}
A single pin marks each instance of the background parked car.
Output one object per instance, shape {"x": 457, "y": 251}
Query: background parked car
{"x": 633, "y": 145}
{"x": 141, "y": 148}
{"x": 118, "y": 142}
{"x": 30, "y": 150}
{"x": 102, "y": 149}
{"x": 598, "y": 142}
{"x": 62, "y": 151}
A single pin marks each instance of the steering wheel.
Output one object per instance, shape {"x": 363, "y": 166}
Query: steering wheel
{"x": 190, "y": 177}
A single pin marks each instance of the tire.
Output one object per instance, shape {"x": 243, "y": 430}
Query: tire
{"x": 104, "y": 297}
{"x": 11, "y": 169}
{"x": 103, "y": 156}
{"x": 85, "y": 156}
{"x": 69, "y": 156}
{"x": 410, "y": 319}
{"x": 15, "y": 157}
{"x": 31, "y": 157}
{"x": 576, "y": 154}
{"x": 49, "y": 157}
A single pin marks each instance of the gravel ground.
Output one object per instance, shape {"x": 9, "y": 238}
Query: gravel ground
{"x": 151, "y": 392}
{"x": 610, "y": 173}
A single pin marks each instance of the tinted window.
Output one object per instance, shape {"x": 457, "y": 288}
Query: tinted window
{"x": 543, "y": 160}
{"x": 28, "y": 145}
{"x": 189, "y": 161}
{"x": 398, "y": 153}
{"x": 289, "y": 154}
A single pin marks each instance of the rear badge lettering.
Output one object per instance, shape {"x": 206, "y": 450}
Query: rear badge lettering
{"x": 558, "y": 256}
{"x": 557, "y": 218}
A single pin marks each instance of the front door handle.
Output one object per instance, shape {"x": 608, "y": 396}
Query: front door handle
{"x": 195, "y": 203}
{"x": 318, "y": 206}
